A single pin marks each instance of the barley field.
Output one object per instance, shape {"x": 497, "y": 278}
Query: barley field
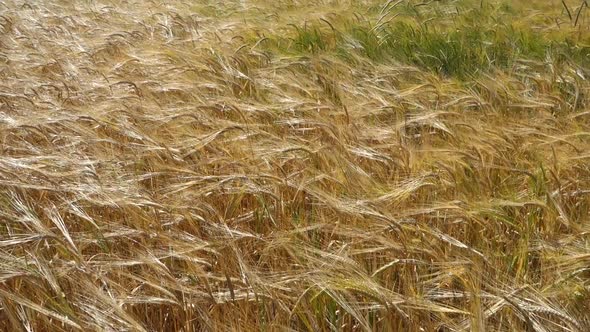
{"x": 294, "y": 165}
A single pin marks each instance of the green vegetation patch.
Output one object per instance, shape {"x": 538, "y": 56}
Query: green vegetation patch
{"x": 477, "y": 40}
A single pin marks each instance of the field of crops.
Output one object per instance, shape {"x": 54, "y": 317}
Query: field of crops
{"x": 294, "y": 165}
